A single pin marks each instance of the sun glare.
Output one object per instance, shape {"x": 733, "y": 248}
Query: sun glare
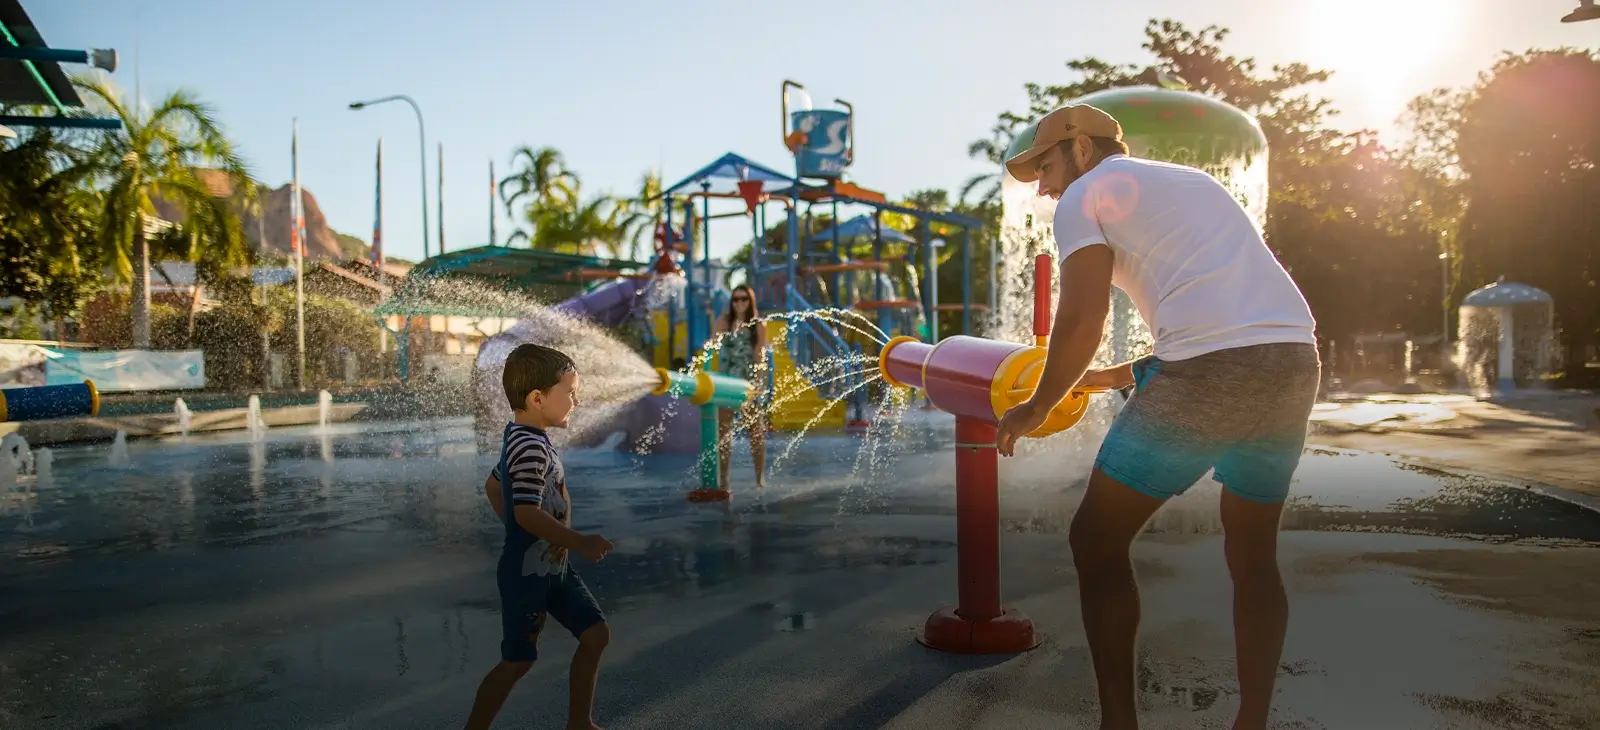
{"x": 1377, "y": 48}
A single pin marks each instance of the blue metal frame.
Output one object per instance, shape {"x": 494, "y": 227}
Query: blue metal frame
{"x": 61, "y": 122}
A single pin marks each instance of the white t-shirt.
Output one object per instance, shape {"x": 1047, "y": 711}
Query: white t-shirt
{"x": 1187, "y": 254}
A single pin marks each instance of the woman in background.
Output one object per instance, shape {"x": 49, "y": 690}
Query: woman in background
{"x": 744, "y": 355}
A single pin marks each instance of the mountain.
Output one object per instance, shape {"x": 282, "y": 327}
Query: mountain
{"x": 322, "y": 242}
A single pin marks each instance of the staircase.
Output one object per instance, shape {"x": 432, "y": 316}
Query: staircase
{"x": 800, "y": 407}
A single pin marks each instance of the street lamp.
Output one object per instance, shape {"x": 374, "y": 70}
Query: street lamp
{"x": 422, "y": 146}
{"x": 1586, "y": 10}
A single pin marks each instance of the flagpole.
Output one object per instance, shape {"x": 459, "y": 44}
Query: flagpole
{"x": 493, "y": 241}
{"x": 377, "y": 246}
{"x": 441, "y": 197}
{"x": 297, "y": 243}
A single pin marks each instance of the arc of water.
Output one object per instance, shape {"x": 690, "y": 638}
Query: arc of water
{"x": 799, "y": 435}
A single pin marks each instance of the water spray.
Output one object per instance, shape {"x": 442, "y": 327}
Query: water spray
{"x": 977, "y": 380}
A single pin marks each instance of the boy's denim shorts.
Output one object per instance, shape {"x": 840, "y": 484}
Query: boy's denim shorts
{"x": 1242, "y": 412}
{"x": 525, "y": 601}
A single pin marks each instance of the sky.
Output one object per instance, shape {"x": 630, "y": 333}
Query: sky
{"x": 623, "y": 87}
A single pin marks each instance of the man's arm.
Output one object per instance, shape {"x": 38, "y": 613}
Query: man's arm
{"x": 1079, "y": 324}
{"x": 1115, "y": 377}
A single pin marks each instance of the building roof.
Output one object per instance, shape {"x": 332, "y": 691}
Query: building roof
{"x": 502, "y": 267}
{"x": 520, "y": 266}
{"x": 35, "y": 83}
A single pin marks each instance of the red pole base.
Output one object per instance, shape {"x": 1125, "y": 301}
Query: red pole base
{"x": 710, "y": 495}
{"x": 857, "y": 424}
{"x": 979, "y": 625}
{"x": 1009, "y": 633}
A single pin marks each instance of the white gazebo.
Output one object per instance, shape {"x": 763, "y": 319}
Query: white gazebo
{"x": 1516, "y": 323}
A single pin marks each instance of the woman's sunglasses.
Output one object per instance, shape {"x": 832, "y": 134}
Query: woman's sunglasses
{"x": 741, "y": 298}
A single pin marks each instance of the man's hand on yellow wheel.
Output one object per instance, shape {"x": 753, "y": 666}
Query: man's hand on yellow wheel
{"x": 1020, "y": 421}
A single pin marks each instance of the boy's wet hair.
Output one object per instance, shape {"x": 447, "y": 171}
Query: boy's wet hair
{"x": 533, "y": 367}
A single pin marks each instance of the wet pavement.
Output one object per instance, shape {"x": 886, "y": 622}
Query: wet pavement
{"x": 345, "y": 580}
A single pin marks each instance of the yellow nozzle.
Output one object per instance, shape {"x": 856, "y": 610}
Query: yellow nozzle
{"x": 665, "y": 384}
{"x": 883, "y": 360}
{"x": 704, "y": 388}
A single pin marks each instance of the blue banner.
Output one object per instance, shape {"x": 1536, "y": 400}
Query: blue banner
{"x": 827, "y": 134}
{"x": 127, "y": 370}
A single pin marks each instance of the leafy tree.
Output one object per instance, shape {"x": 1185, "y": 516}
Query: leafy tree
{"x": 48, "y": 222}
{"x": 1515, "y": 158}
{"x": 1340, "y": 216}
{"x": 641, "y": 214}
{"x": 541, "y": 180}
{"x": 160, "y": 153}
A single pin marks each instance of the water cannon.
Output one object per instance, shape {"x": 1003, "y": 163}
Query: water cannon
{"x": 702, "y": 388}
{"x": 981, "y": 379}
{"x": 977, "y": 380}
{"x": 711, "y": 391}
{"x": 49, "y": 401}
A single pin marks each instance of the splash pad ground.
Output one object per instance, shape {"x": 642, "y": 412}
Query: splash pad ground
{"x": 344, "y": 580}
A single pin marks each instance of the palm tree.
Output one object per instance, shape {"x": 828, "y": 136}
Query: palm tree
{"x": 572, "y": 227}
{"x": 641, "y": 214}
{"x": 993, "y": 151}
{"x": 160, "y": 154}
{"x": 543, "y": 179}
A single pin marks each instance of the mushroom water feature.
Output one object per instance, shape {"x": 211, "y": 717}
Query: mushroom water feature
{"x": 977, "y": 380}
{"x": 1507, "y": 336}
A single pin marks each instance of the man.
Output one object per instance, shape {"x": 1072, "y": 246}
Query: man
{"x": 1230, "y": 386}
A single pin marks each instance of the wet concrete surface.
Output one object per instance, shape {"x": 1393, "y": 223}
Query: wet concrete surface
{"x": 345, "y": 580}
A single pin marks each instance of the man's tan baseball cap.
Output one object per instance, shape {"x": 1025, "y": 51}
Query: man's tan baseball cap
{"x": 1068, "y": 122}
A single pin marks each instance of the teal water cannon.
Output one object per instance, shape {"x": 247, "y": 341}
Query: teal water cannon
{"x": 703, "y": 388}
{"x": 712, "y": 392}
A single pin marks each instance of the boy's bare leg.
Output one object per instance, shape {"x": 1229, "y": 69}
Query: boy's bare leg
{"x": 585, "y": 672}
{"x": 492, "y": 693}
{"x": 1260, "y": 606}
{"x": 1102, "y": 533}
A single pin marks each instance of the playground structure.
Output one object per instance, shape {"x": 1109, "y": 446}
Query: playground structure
{"x": 883, "y": 277}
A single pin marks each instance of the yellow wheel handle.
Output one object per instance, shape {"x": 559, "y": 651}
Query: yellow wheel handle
{"x": 1015, "y": 381}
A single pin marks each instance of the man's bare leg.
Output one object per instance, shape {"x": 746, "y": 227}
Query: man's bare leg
{"x": 585, "y": 673}
{"x": 1260, "y": 606}
{"x": 493, "y": 691}
{"x": 1103, "y": 531}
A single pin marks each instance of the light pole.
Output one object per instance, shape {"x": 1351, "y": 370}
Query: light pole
{"x": 422, "y": 147}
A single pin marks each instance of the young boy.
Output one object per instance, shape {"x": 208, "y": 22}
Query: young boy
{"x": 529, "y": 495}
